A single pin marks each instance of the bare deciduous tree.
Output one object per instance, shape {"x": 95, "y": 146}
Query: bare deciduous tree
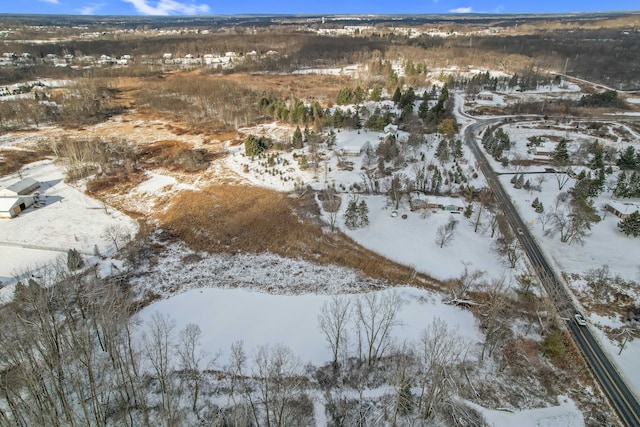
{"x": 375, "y": 315}
{"x": 279, "y": 387}
{"x": 497, "y": 328}
{"x": 333, "y": 320}
{"x": 191, "y": 356}
{"x": 116, "y": 234}
{"x": 445, "y": 233}
{"x": 331, "y": 204}
{"x": 508, "y": 246}
{"x": 159, "y": 351}
{"x": 439, "y": 351}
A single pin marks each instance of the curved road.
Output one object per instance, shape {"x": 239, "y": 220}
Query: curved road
{"x": 621, "y": 398}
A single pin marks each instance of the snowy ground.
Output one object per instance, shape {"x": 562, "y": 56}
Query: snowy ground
{"x": 68, "y": 219}
{"x": 411, "y": 241}
{"x": 566, "y": 415}
{"x": 265, "y": 299}
{"x": 226, "y": 316}
{"x": 604, "y": 246}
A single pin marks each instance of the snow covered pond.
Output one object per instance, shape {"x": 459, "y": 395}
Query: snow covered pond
{"x": 226, "y": 316}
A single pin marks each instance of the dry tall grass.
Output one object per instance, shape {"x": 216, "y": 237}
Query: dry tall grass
{"x": 227, "y": 218}
{"x": 12, "y": 160}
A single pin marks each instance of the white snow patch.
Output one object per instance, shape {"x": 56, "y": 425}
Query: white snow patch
{"x": 226, "y": 316}
{"x": 564, "y": 415}
{"x": 411, "y": 241}
{"x": 155, "y": 183}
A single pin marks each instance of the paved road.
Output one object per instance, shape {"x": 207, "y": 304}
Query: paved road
{"x": 621, "y": 398}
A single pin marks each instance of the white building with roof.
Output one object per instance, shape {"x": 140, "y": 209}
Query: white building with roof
{"x": 20, "y": 188}
{"x": 622, "y": 210}
{"x": 12, "y": 206}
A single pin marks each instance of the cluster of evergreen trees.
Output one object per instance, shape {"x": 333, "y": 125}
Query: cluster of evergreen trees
{"x": 292, "y": 110}
{"x": 496, "y": 142}
{"x": 428, "y": 183}
{"x": 357, "y": 214}
{"x": 254, "y": 145}
{"x": 482, "y": 81}
{"x": 378, "y": 120}
{"x": 348, "y": 96}
{"x": 608, "y": 98}
{"x": 443, "y": 109}
{"x": 588, "y": 186}
{"x": 627, "y": 186}
{"x": 519, "y": 182}
{"x": 447, "y": 149}
{"x": 537, "y": 205}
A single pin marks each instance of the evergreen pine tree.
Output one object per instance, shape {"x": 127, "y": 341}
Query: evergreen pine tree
{"x": 363, "y": 214}
{"x": 436, "y": 181}
{"x": 535, "y": 203}
{"x": 627, "y": 158}
{"x": 598, "y": 158}
{"x": 351, "y": 214}
{"x": 560, "y": 155}
{"x": 631, "y": 225}
{"x": 539, "y": 208}
{"x": 468, "y": 211}
{"x": 622, "y": 188}
{"x": 296, "y": 140}
{"x": 74, "y": 260}
{"x": 519, "y": 182}
{"x": 396, "y": 95}
{"x": 634, "y": 185}
{"x": 442, "y": 152}
{"x": 376, "y": 93}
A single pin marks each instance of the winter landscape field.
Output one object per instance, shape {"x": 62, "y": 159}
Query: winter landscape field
{"x": 256, "y": 230}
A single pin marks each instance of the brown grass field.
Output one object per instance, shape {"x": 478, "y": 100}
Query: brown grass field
{"x": 235, "y": 218}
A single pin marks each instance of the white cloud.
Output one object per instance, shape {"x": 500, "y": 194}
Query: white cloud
{"x": 90, "y": 9}
{"x": 461, "y": 10}
{"x": 51, "y": 1}
{"x": 168, "y": 7}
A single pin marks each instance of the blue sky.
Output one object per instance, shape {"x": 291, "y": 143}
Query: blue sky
{"x": 228, "y": 7}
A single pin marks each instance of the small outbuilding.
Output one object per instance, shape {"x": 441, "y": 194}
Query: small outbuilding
{"x": 622, "y": 210}
{"x": 12, "y": 206}
{"x": 485, "y": 96}
{"x": 351, "y": 150}
{"x": 20, "y": 188}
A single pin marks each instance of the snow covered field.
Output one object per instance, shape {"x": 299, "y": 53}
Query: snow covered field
{"x": 68, "y": 219}
{"x": 265, "y": 299}
{"x": 411, "y": 241}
